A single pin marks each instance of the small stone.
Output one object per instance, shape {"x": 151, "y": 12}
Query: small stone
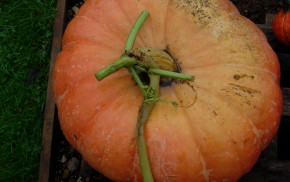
{"x": 73, "y": 164}
{"x": 80, "y": 179}
{"x": 63, "y": 159}
{"x": 65, "y": 174}
{"x": 75, "y": 9}
{"x": 85, "y": 169}
{"x": 70, "y": 150}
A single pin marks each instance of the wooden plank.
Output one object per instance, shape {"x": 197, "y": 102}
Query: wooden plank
{"x": 269, "y": 171}
{"x": 271, "y": 152}
{"x": 45, "y": 156}
{"x": 286, "y": 101}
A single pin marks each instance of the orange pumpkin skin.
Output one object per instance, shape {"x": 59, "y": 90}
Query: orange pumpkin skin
{"x": 226, "y": 117}
{"x": 281, "y": 27}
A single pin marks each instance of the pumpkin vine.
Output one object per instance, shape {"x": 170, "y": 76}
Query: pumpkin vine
{"x": 155, "y": 63}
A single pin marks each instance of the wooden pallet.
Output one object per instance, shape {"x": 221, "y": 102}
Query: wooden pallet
{"x": 270, "y": 167}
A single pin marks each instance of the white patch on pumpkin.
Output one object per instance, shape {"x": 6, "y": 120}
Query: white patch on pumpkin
{"x": 274, "y": 103}
{"x": 271, "y": 110}
{"x": 275, "y": 123}
{"x": 61, "y": 97}
{"x": 84, "y": 17}
{"x": 205, "y": 172}
{"x": 230, "y": 155}
{"x": 258, "y": 133}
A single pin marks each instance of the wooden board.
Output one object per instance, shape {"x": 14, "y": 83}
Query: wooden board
{"x": 49, "y": 115}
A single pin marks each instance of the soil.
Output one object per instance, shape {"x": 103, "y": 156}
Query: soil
{"x": 68, "y": 165}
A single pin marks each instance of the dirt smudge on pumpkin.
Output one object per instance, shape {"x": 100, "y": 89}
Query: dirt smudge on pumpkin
{"x": 238, "y": 77}
{"x": 186, "y": 100}
{"x": 203, "y": 10}
{"x": 242, "y": 93}
{"x": 244, "y": 89}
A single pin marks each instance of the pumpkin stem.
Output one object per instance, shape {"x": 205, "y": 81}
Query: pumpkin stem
{"x": 166, "y": 73}
{"x": 135, "y": 29}
{"x": 123, "y": 61}
{"x": 156, "y": 63}
{"x": 143, "y": 115}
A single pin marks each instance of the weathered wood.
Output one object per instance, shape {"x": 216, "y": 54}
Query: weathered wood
{"x": 286, "y": 101}
{"x": 271, "y": 152}
{"x": 269, "y": 171}
{"x": 269, "y": 19}
{"x": 49, "y": 115}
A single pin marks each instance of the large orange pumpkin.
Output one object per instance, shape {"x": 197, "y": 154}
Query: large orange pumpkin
{"x": 225, "y": 118}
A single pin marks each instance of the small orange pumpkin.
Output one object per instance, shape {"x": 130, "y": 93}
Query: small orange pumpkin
{"x": 225, "y": 118}
{"x": 281, "y": 24}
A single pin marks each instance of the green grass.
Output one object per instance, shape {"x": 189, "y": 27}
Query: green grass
{"x": 25, "y": 41}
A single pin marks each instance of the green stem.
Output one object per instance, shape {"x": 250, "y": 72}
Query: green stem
{"x": 147, "y": 107}
{"x": 122, "y": 62}
{"x": 137, "y": 79}
{"x": 130, "y": 43}
{"x": 171, "y": 74}
{"x": 166, "y": 73}
{"x": 135, "y": 29}
{"x": 143, "y": 116}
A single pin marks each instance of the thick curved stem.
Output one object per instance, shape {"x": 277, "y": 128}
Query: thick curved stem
{"x": 122, "y": 62}
{"x": 135, "y": 29}
{"x": 151, "y": 91}
{"x": 143, "y": 116}
{"x": 137, "y": 79}
{"x": 165, "y": 73}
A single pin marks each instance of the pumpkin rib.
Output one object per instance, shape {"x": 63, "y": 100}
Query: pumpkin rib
{"x": 231, "y": 65}
{"x": 240, "y": 73}
{"x": 113, "y": 134}
{"x": 138, "y": 38}
{"x": 241, "y": 83}
{"x": 269, "y": 110}
{"x": 106, "y": 8}
{"x": 225, "y": 129}
{"x": 79, "y": 61}
{"x": 167, "y": 158}
{"x": 134, "y": 13}
{"x": 234, "y": 151}
{"x": 68, "y": 89}
{"x": 190, "y": 123}
{"x": 110, "y": 101}
{"x": 157, "y": 23}
{"x": 89, "y": 30}
{"x": 238, "y": 111}
{"x": 75, "y": 96}
{"x": 202, "y": 153}
{"x": 88, "y": 40}
{"x": 169, "y": 106}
